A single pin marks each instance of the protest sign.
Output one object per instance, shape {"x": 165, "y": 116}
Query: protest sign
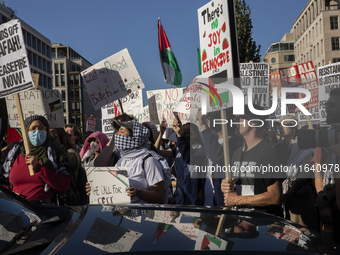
{"x": 90, "y": 123}
{"x": 111, "y": 79}
{"x": 132, "y": 104}
{"x": 15, "y": 72}
{"x": 217, "y": 35}
{"x": 111, "y": 238}
{"x": 47, "y": 103}
{"x": 290, "y": 78}
{"x": 275, "y": 82}
{"x": 146, "y": 114}
{"x": 329, "y": 77}
{"x": 167, "y": 217}
{"x": 187, "y": 229}
{"x": 207, "y": 241}
{"x": 108, "y": 185}
{"x": 162, "y": 104}
{"x": 255, "y": 76}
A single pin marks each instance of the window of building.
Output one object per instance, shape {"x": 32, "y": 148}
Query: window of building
{"x": 335, "y": 43}
{"x": 314, "y": 53}
{"x": 274, "y": 70}
{"x": 320, "y": 26}
{"x": 70, "y": 94}
{"x": 288, "y": 58}
{"x": 56, "y": 68}
{"x": 317, "y": 49}
{"x": 57, "y": 83}
{"x": 76, "y": 94}
{"x": 273, "y": 60}
{"x": 334, "y": 22}
{"x": 62, "y": 80}
{"x": 62, "y": 68}
{"x": 335, "y": 60}
{"x": 76, "y": 80}
{"x": 321, "y": 45}
{"x": 64, "y": 106}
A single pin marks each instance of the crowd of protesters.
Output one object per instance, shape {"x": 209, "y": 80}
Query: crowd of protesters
{"x": 160, "y": 165}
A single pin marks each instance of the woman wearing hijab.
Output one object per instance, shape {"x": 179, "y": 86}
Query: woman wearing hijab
{"x": 93, "y": 145}
{"x": 50, "y": 163}
{"x": 145, "y": 175}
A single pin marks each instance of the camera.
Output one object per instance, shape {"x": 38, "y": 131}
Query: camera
{"x": 309, "y": 138}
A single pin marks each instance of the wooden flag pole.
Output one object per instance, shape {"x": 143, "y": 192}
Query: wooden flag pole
{"x": 23, "y": 130}
{"x": 226, "y": 163}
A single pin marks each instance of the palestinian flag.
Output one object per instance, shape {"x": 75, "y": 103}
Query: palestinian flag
{"x": 206, "y": 241}
{"x": 162, "y": 228}
{"x": 171, "y": 71}
{"x": 56, "y": 105}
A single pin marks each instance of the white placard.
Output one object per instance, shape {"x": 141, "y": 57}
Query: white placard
{"x": 215, "y": 41}
{"x": 111, "y": 238}
{"x": 329, "y": 76}
{"x": 15, "y": 72}
{"x": 47, "y": 103}
{"x": 255, "y": 76}
{"x": 111, "y": 79}
{"x": 108, "y": 185}
{"x": 162, "y": 104}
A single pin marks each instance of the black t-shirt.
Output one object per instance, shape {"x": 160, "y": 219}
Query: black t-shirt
{"x": 247, "y": 171}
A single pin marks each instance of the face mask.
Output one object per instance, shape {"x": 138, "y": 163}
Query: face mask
{"x": 94, "y": 146}
{"x": 37, "y": 137}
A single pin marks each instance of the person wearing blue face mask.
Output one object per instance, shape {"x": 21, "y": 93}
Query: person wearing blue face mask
{"x": 49, "y": 159}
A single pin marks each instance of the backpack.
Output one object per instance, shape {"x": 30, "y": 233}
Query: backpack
{"x": 166, "y": 172}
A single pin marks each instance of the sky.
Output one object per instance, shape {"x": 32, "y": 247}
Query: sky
{"x": 98, "y": 29}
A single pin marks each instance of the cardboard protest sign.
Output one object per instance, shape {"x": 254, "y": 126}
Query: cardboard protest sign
{"x": 111, "y": 79}
{"x": 329, "y": 77}
{"x": 309, "y": 81}
{"x": 256, "y": 77}
{"x": 275, "y": 82}
{"x": 90, "y": 123}
{"x": 132, "y": 104}
{"x": 203, "y": 93}
{"x": 146, "y": 114}
{"x": 162, "y": 104}
{"x": 290, "y": 78}
{"x": 216, "y": 31}
{"x": 15, "y": 72}
{"x": 108, "y": 185}
{"x": 111, "y": 238}
{"x": 47, "y": 103}
{"x": 167, "y": 217}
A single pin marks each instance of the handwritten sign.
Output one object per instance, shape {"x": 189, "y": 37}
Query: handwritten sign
{"x": 328, "y": 79}
{"x": 108, "y": 185}
{"x": 132, "y": 105}
{"x": 146, "y": 114}
{"x": 90, "y": 123}
{"x": 47, "y": 103}
{"x": 162, "y": 104}
{"x": 15, "y": 72}
{"x": 256, "y": 77}
{"x": 111, "y": 238}
{"x": 214, "y": 34}
{"x": 164, "y": 217}
{"x": 111, "y": 79}
{"x": 187, "y": 229}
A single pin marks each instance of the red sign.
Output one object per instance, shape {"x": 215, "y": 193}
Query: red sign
{"x": 90, "y": 123}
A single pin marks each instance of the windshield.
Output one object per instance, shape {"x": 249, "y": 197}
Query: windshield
{"x": 13, "y": 218}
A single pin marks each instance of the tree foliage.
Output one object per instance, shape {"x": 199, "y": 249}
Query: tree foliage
{"x": 248, "y": 50}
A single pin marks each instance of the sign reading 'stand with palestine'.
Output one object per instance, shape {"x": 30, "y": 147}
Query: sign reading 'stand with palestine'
{"x": 215, "y": 40}
{"x": 15, "y": 72}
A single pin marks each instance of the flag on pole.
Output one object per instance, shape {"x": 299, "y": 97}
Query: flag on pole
{"x": 199, "y": 61}
{"x": 162, "y": 228}
{"x": 171, "y": 71}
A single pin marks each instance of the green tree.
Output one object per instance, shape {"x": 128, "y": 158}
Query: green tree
{"x": 248, "y": 50}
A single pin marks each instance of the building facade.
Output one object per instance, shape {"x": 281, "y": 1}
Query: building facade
{"x": 316, "y": 33}
{"x": 38, "y": 47}
{"x": 67, "y": 66}
{"x": 280, "y": 54}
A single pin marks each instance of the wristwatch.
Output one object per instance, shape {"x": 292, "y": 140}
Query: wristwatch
{"x": 138, "y": 192}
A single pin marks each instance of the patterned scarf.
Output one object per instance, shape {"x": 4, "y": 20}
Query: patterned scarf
{"x": 137, "y": 144}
